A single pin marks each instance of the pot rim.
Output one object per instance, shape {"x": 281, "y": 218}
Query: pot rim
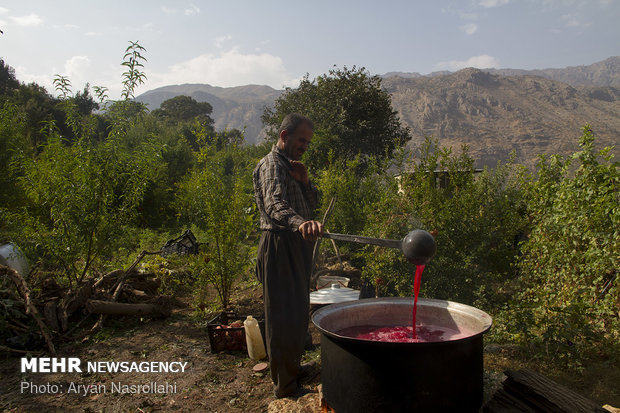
{"x": 328, "y": 310}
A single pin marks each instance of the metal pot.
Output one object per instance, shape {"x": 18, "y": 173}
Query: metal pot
{"x": 369, "y": 376}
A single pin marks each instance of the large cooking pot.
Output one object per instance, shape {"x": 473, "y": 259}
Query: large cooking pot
{"x": 369, "y": 376}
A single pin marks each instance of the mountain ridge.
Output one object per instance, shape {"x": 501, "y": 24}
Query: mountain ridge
{"x": 493, "y": 111}
{"x": 603, "y": 73}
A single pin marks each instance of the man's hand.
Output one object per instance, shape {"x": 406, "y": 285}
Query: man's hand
{"x": 311, "y": 230}
{"x": 299, "y": 172}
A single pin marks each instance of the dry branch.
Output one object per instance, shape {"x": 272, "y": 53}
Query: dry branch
{"x": 24, "y": 292}
{"x": 118, "y": 286}
{"x": 14, "y": 350}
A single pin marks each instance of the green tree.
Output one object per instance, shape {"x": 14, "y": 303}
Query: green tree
{"x": 8, "y": 81}
{"x": 352, "y": 114}
{"x": 38, "y": 107}
{"x": 85, "y": 102}
{"x": 82, "y": 197}
{"x": 13, "y": 144}
{"x": 82, "y": 193}
{"x": 183, "y": 109}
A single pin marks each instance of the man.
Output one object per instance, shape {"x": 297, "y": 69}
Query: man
{"x": 286, "y": 199}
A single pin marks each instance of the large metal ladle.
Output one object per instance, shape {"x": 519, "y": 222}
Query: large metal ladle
{"x": 418, "y": 246}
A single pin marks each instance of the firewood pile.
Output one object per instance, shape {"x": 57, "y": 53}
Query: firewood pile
{"x": 54, "y": 314}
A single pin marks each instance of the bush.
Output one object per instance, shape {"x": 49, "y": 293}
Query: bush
{"x": 217, "y": 198}
{"x": 81, "y": 197}
{"x": 355, "y": 185}
{"x": 568, "y": 297}
{"x": 475, "y": 217}
{"x": 81, "y": 193}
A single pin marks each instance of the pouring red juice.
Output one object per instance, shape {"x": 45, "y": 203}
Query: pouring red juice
{"x": 406, "y": 334}
{"x": 416, "y": 290}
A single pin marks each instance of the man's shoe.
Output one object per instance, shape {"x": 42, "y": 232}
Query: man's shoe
{"x": 307, "y": 372}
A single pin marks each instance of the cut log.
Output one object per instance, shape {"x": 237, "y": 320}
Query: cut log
{"x": 137, "y": 293}
{"x": 528, "y": 391}
{"x": 49, "y": 311}
{"x": 114, "y": 308}
{"x": 63, "y": 319}
{"x": 72, "y": 302}
{"x": 504, "y": 402}
{"x": 79, "y": 298}
{"x": 118, "y": 286}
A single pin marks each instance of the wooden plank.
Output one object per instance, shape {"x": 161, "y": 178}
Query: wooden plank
{"x": 545, "y": 395}
{"x": 504, "y": 402}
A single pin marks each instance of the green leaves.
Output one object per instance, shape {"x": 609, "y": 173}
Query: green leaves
{"x": 62, "y": 84}
{"x": 133, "y": 76}
{"x": 83, "y": 190}
{"x": 573, "y": 249}
{"x": 217, "y": 198}
{"x": 352, "y": 116}
{"x": 476, "y": 216}
{"x": 82, "y": 196}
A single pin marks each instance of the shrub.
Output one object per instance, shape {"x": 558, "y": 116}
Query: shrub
{"x": 568, "y": 298}
{"x": 82, "y": 193}
{"x": 476, "y": 219}
{"x": 217, "y": 198}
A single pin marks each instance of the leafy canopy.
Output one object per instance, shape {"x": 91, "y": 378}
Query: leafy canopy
{"x": 184, "y": 108}
{"x": 352, "y": 116}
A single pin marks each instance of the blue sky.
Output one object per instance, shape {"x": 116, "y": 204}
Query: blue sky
{"x": 237, "y": 42}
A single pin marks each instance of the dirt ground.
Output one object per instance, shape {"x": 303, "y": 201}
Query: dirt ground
{"x": 212, "y": 382}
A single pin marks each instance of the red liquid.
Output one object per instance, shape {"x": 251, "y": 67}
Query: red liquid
{"x": 416, "y": 290}
{"x": 403, "y": 334}
{"x": 406, "y": 334}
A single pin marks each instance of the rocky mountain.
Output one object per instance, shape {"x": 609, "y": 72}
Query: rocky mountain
{"x": 496, "y": 114}
{"x": 492, "y": 111}
{"x": 233, "y": 107}
{"x": 604, "y": 73}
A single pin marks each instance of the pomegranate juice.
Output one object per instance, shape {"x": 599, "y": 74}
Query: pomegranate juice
{"x": 406, "y": 334}
{"x": 403, "y": 334}
{"x": 416, "y": 290}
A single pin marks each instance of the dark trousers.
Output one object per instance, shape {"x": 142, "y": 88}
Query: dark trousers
{"x": 283, "y": 266}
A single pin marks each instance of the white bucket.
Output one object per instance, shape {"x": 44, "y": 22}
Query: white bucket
{"x": 326, "y": 281}
{"x": 12, "y": 257}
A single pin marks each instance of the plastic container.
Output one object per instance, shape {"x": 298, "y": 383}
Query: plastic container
{"x": 223, "y": 337}
{"x": 254, "y": 339}
{"x": 11, "y": 256}
{"x": 326, "y": 281}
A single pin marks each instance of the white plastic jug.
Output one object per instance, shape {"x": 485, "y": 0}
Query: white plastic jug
{"x": 254, "y": 339}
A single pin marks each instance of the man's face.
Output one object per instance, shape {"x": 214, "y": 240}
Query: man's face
{"x": 297, "y": 142}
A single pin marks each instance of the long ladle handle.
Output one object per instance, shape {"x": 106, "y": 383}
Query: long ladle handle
{"x": 390, "y": 243}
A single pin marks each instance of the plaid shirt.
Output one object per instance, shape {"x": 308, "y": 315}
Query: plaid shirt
{"x": 283, "y": 202}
